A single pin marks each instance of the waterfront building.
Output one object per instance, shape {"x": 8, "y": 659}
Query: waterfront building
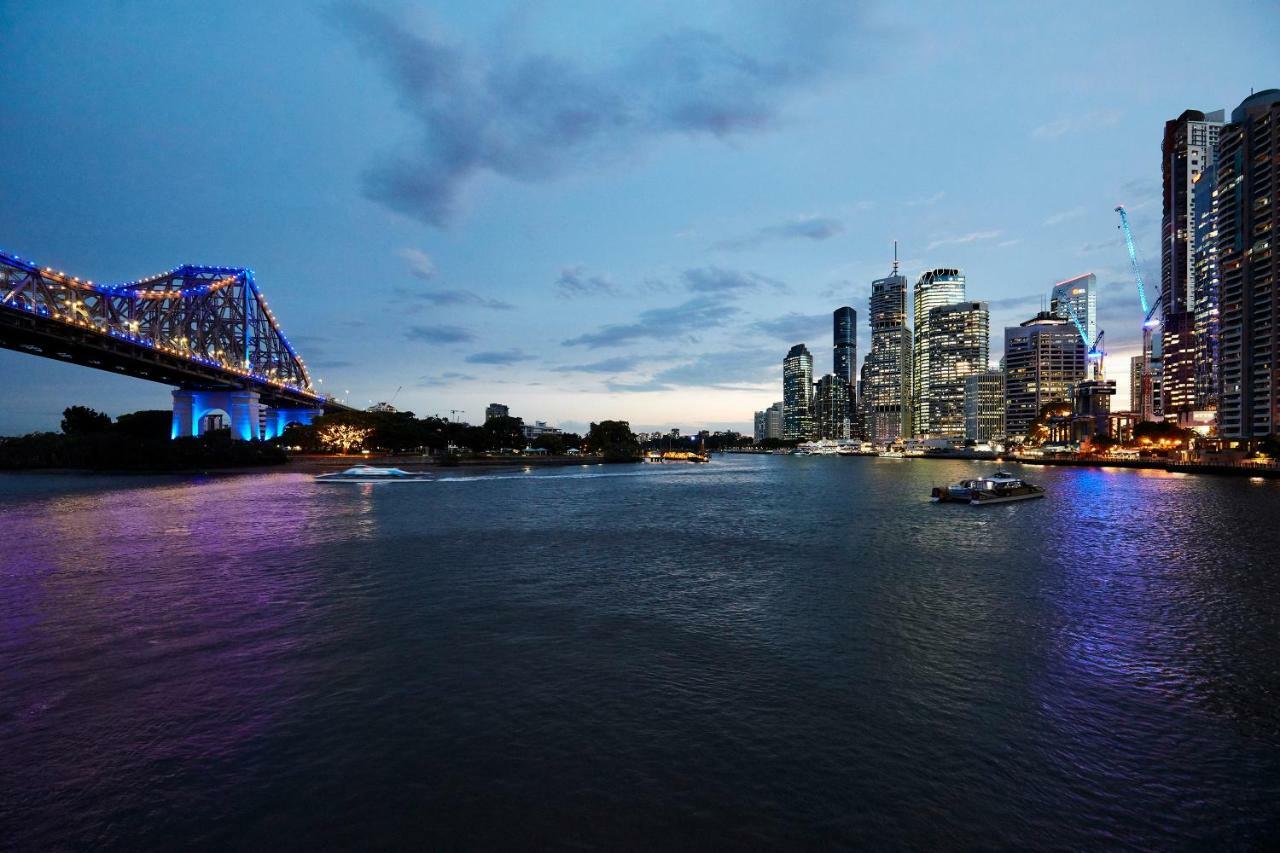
{"x": 1077, "y": 295}
{"x": 1091, "y": 408}
{"x": 797, "y": 390}
{"x": 934, "y": 289}
{"x": 886, "y": 371}
{"x": 844, "y": 353}
{"x": 1190, "y": 146}
{"x": 957, "y": 347}
{"x": 538, "y": 428}
{"x": 760, "y": 426}
{"x": 496, "y": 410}
{"x": 1044, "y": 358}
{"x": 1204, "y": 250}
{"x": 831, "y": 407}
{"x": 382, "y": 409}
{"x": 773, "y": 421}
{"x": 984, "y": 406}
{"x": 1248, "y": 225}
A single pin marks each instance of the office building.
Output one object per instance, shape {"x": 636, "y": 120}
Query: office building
{"x": 1205, "y": 310}
{"x": 957, "y": 347}
{"x": 934, "y": 289}
{"x": 797, "y": 390}
{"x": 495, "y": 410}
{"x": 844, "y": 353}
{"x": 1079, "y": 297}
{"x": 1044, "y": 358}
{"x": 984, "y": 406}
{"x": 1190, "y": 146}
{"x": 773, "y": 421}
{"x": 886, "y": 371}
{"x": 832, "y": 407}
{"x": 1248, "y": 224}
{"x": 760, "y": 427}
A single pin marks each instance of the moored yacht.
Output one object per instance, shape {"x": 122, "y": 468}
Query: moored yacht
{"x": 371, "y": 474}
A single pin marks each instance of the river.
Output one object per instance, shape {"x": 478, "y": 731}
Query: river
{"x": 759, "y": 652}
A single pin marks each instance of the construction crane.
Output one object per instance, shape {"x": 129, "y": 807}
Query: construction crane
{"x": 1150, "y": 322}
{"x": 1096, "y": 354}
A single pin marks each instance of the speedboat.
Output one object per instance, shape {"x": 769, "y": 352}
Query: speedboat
{"x": 371, "y": 474}
{"x": 1000, "y": 487}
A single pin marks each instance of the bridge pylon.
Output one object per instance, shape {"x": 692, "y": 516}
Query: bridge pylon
{"x": 195, "y": 412}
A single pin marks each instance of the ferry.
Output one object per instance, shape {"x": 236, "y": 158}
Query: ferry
{"x": 676, "y": 456}
{"x": 371, "y": 474}
{"x": 1001, "y": 487}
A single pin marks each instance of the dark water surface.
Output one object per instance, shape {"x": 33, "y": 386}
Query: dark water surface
{"x": 780, "y": 652}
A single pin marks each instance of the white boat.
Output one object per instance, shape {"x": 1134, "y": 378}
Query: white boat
{"x": 1001, "y": 487}
{"x": 891, "y": 454}
{"x": 371, "y": 474}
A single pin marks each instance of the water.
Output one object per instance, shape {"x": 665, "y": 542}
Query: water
{"x": 780, "y": 652}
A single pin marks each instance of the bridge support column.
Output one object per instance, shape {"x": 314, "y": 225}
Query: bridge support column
{"x": 245, "y": 416}
{"x": 183, "y": 414}
{"x": 277, "y": 420}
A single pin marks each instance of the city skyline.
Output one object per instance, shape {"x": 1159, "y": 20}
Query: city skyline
{"x": 634, "y": 275}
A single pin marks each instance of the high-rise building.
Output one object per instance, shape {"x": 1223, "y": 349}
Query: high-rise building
{"x": 1078, "y": 296}
{"x": 831, "y": 407}
{"x": 773, "y": 421}
{"x": 1204, "y": 252}
{"x": 984, "y": 406}
{"x": 495, "y": 410}
{"x": 797, "y": 390}
{"x": 934, "y": 289}
{"x": 844, "y": 353}
{"x": 1190, "y": 146}
{"x": 760, "y": 427}
{"x": 1044, "y": 358}
{"x": 1248, "y": 268}
{"x": 886, "y": 371}
{"x": 957, "y": 344}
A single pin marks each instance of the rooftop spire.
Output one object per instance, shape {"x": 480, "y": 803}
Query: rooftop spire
{"x": 895, "y": 257}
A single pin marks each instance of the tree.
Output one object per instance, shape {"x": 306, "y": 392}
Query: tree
{"x": 151, "y": 423}
{"x": 82, "y": 420}
{"x": 344, "y": 436}
{"x": 505, "y": 432}
{"x": 614, "y": 441}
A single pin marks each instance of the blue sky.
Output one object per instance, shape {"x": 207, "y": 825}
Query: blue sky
{"x": 593, "y": 210}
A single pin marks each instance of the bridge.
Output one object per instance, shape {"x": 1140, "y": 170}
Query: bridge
{"x": 206, "y": 330}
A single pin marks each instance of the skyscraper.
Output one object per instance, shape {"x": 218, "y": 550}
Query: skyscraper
{"x": 887, "y": 368}
{"x": 844, "y": 354}
{"x": 1248, "y": 231}
{"x": 1206, "y": 308}
{"x": 984, "y": 406}
{"x": 831, "y": 407}
{"x": 1044, "y": 358}
{"x": 773, "y": 421}
{"x": 1077, "y": 295}
{"x": 1190, "y": 146}
{"x": 760, "y": 429}
{"x": 797, "y": 388}
{"x": 957, "y": 344}
{"x": 935, "y": 288}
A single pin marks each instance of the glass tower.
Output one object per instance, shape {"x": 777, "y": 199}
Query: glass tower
{"x": 886, "y": 371}
{"x": 958, "y": 348}
{"x": 1081, "y": 294}
{"x": 797, "y": 388}
{"x": 933, "y": 290}
{"x": 1044, "y": 358}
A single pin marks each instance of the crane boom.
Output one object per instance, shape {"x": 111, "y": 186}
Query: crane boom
{"x": 1133, "y": 259}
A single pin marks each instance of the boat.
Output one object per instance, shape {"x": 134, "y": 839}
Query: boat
{"x": 891, "y": 454}
{"x": 676, "y": 456}
{"x": 371, "y": 474}
{"x": 1000, "y": 487}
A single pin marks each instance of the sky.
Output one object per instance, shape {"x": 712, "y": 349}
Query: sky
{"x": 591, "y": 211}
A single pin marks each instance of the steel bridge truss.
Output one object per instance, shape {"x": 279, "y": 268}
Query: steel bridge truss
{"x": 193, "y": 326}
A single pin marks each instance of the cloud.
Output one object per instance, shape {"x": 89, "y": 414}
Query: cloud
{"x": 509, "y": 356}
{"x": 971, "y": 237}
{"x": 795, "y": 327}
{"x": 463, "y": 297}
{"x": 806, "y": 228}
{"x": 636, "y": 387}
{"x": 676, "y": 321}
{"x": 620, "y": 364}
{"x": 419, "y": 262}
{"x": 577, "y": 281}
{"x": 446, "y": 378}
{"x": 927, "y": 202}
{"x": 439, "y": 334}
{"x": 1075, "y": 124}
{"x": 726, "y": 369}
{"x": 718, "y": 280}
{"x": 532, "y": 116}
{"x": 1065, "y": 216}
{"x": 1105, "y": 245}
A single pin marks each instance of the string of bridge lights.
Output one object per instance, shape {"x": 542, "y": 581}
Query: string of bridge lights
{"x": 230, "y": 275}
